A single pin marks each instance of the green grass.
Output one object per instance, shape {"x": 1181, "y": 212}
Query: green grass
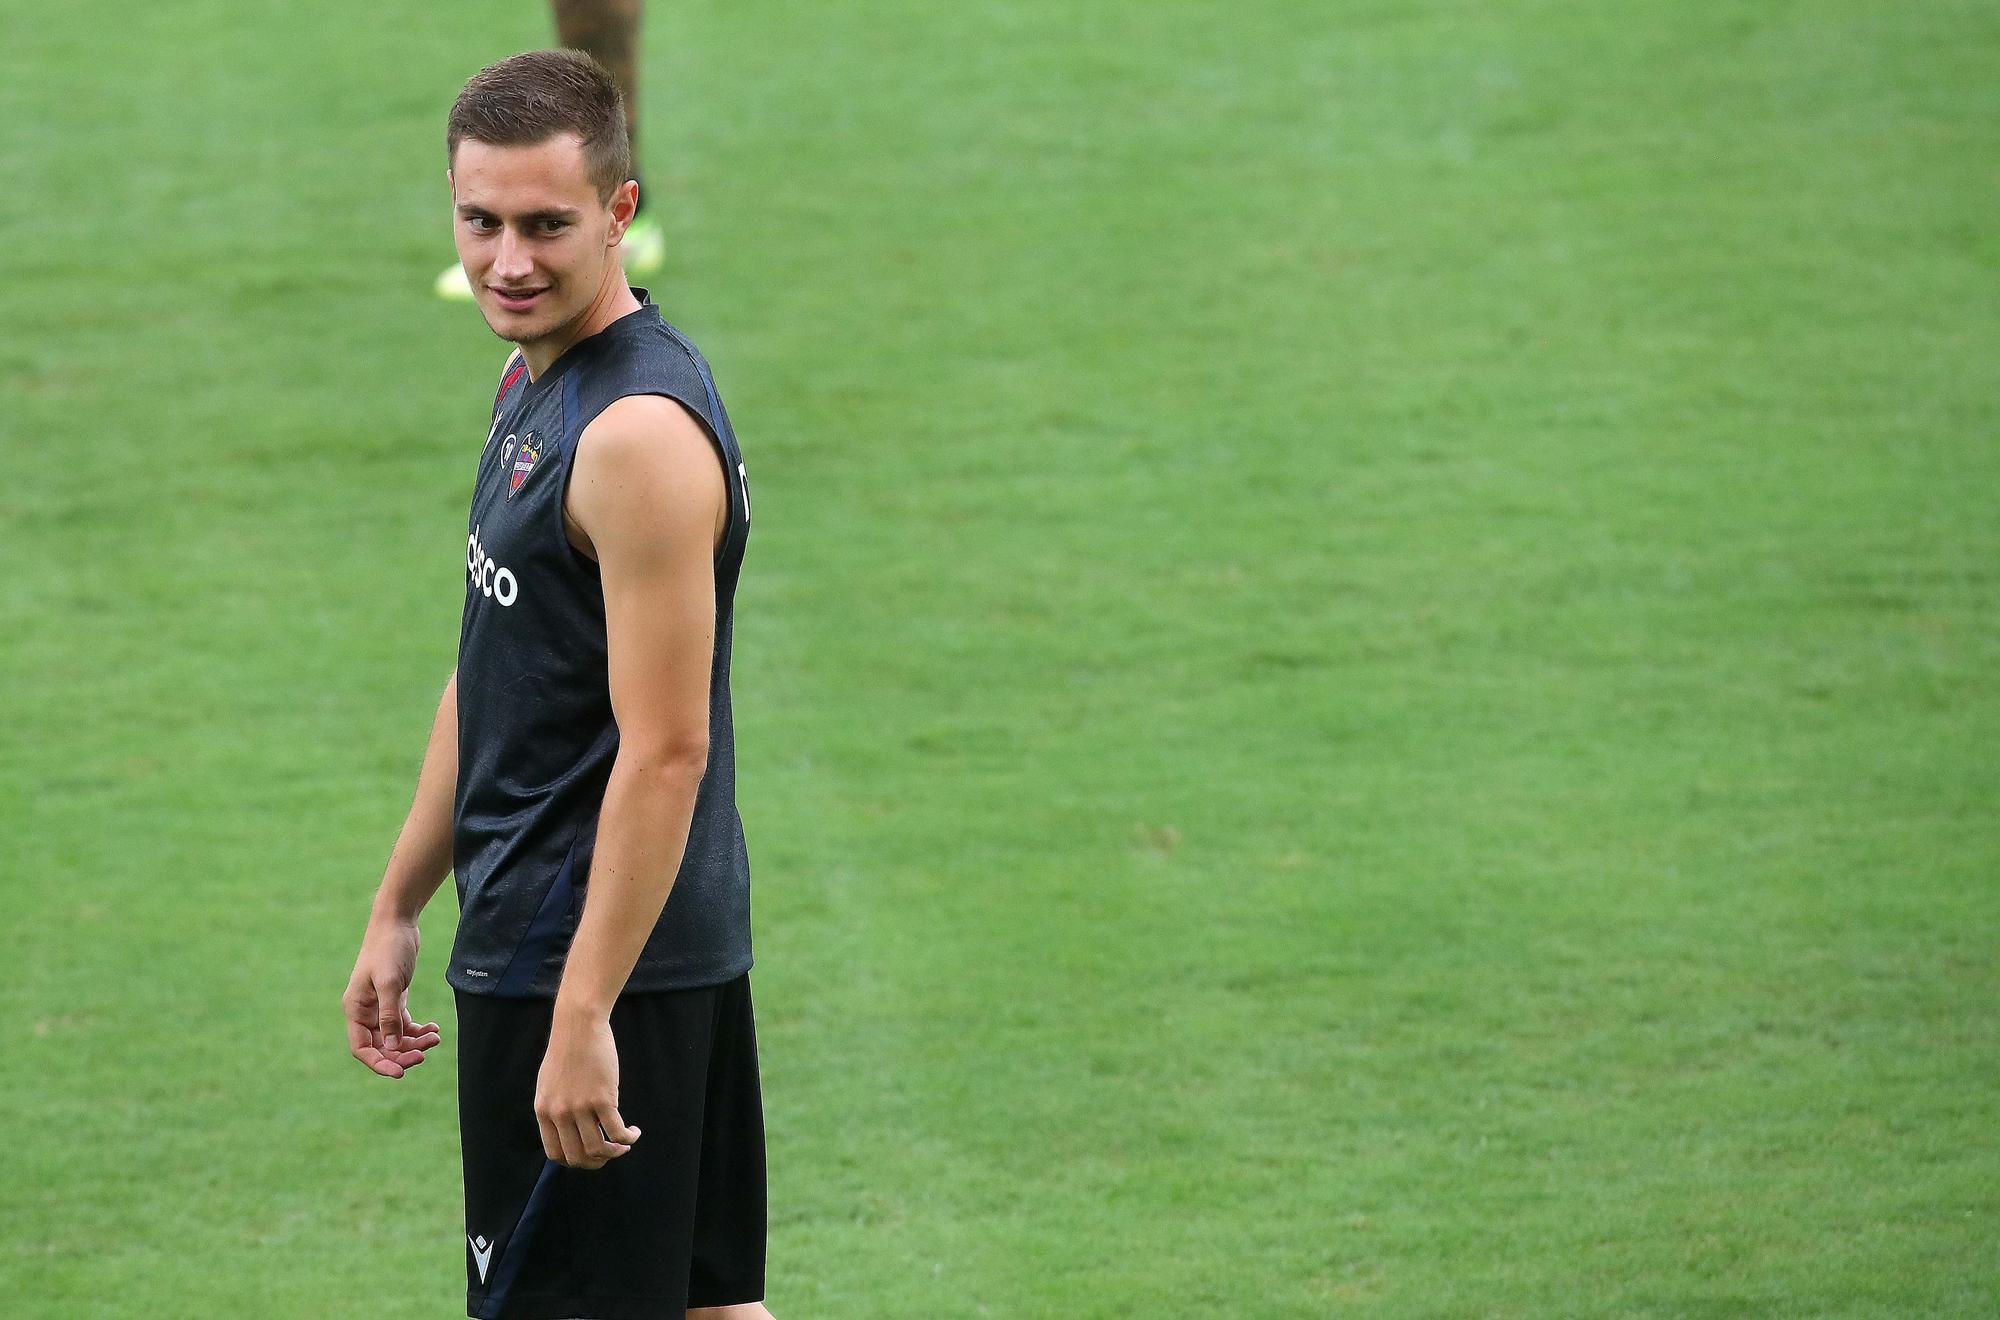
{"x": 1365, "y": 683}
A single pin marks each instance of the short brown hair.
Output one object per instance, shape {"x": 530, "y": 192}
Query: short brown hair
{"x": 533, "y": 96}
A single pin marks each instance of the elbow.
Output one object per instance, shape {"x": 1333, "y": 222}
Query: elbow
{"x": 675, "y": 759}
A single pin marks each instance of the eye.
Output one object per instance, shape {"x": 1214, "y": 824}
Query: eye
{"x": 552, "y": 226}
{"x": 481, "y": 224}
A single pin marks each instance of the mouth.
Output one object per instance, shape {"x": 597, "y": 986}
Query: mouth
{"x": 517, "y": 300}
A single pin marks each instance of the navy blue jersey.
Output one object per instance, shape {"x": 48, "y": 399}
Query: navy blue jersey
{"x": 536, "y": 737}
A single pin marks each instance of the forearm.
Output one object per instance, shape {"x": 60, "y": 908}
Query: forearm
{"x": 642, "y": 832}
{"x": 421, "y": 858}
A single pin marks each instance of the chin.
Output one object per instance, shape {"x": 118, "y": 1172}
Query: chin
{"x": 520, "y": 329}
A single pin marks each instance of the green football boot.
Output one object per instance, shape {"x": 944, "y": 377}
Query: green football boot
{"x": 451, "y": 284}
{"x": 645, "y": 246}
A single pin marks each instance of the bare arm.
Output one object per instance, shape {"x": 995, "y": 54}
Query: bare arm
{"x": 421, "y": 858}
{"x": 647, "y": 494}
{"x": 380, "y": 1031}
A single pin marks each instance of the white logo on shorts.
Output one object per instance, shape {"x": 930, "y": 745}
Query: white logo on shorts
{"x": 482, "y": 1252}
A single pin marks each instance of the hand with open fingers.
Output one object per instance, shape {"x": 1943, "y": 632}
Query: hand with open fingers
{"x": 380, "y": 1031}
{"x": 576, "y": 1096}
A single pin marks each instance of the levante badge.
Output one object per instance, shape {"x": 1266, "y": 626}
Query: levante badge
{"x": 524, "y": 462}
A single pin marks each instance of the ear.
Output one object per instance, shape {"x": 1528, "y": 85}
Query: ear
{"x": 624, "y": 204}
{"x": 451, "y": 184}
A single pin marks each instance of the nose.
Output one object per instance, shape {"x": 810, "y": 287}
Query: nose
{"x": 511, "y": 263}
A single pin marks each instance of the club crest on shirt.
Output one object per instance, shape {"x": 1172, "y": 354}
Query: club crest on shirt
{"x": 525, "y": 459}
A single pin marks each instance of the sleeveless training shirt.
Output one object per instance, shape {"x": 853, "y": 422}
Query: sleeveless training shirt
{"x": 536, "y": 737}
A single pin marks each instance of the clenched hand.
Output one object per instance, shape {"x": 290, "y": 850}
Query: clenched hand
{"x": 576, "y": 1095}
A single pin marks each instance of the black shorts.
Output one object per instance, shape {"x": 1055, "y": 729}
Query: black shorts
{"x": 675, "y": 1222}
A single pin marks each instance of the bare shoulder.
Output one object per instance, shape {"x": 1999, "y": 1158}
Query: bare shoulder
{"x": 644, "y": 471}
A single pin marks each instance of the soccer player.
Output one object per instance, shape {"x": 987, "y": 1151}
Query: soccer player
{"x": 608, "y": 32}
{"x": 580, "y": 777}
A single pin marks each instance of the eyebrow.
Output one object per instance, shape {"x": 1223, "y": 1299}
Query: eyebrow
{"x": 559, "y": 213}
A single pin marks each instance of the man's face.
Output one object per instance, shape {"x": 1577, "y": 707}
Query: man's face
{"x": 536, "y": 240}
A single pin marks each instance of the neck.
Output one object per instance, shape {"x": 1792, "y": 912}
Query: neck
{"x": 614, "y": 299}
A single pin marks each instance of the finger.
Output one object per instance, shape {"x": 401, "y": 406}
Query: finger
{"x": 389, "y": 1017}
{"x": 362, "y": 1048}
{"x": 572, "y": 1143}
{"x": 382, "y": 1063}
{"x": 591, "y": 1142}
{"x": 614, "y": 1128}
{"x": 602, "y": 1145}
{"x": 359, "y": 1005}
{"x": 419, "y": 1039}
{"x": 411, "y": 1052}
{"x": 551, "y": 1144}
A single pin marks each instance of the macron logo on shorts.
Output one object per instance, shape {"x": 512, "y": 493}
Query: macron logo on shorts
{"x": 482, "y": 1253}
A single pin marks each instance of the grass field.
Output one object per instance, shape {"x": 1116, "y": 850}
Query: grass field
{"x": 1366, "y": 681}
